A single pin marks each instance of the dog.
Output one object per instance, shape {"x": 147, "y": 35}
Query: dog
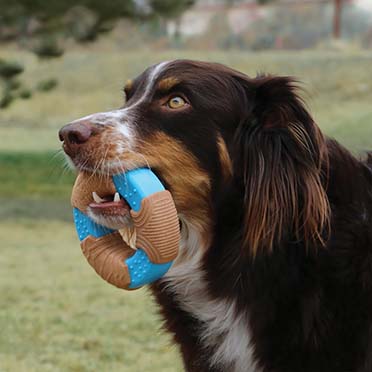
{"x": 274, "y": 272}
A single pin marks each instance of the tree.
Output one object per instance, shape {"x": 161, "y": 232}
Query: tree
{"x": 170, "y": 8}
{"x": 337, "y": 19}
{"x": 40, "y": 25}
{"x": 50, "y": 15}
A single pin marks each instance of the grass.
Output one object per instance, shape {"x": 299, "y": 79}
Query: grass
{"x": 57, "y": 315}
{"x": 34, "y": 185}
{"x": 36, "y": 174}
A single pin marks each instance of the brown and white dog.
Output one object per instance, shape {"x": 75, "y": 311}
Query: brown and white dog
{"x": 274, "y": 272}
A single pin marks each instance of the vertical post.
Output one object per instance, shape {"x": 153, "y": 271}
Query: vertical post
{"x": 337, "y": 19}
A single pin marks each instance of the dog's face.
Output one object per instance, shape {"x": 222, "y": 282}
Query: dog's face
{"x": 195, "y": 124}
{"x": 175, "y": 120}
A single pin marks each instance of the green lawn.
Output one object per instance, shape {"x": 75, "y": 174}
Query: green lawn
{"x": 36, "y": 174}
{"x": 56, "y": 314}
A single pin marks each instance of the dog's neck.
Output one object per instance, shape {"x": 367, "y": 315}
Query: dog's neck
{"x": 224, "y": 332}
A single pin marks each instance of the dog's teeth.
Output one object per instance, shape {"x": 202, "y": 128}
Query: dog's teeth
{"x": 97, "y": 198}
{"x": 116, "y": 197}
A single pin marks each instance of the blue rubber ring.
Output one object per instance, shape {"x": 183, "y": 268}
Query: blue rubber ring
{"x": 133, "y": 186}
{"x": 136, "y": 185}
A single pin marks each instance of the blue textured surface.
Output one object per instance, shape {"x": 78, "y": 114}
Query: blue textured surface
{"x": 85, "y": 226}
{"x": 137, "y": 184}
{"x": 142, "y": 271}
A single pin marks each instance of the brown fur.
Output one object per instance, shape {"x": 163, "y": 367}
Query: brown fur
{"x": 226, "y": 163}
{"x": 168, "y": 83}
{"x": 284, "y": 194}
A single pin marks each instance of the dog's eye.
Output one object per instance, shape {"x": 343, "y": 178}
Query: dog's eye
{"x": 176, "y": 102}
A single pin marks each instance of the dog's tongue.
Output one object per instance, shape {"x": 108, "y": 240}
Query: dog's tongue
{"x": 111, "y": 208}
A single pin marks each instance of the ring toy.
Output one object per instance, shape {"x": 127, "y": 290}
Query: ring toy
{"x": 154, "y": 217}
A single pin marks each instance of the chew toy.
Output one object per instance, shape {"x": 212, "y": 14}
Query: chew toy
{"x": 154, "y": 217}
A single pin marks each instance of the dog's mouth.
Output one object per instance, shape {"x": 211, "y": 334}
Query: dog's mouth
{"x": 112, "y": 205}
{"x": 97, "y": 196}
{"x": 110, "y": 210}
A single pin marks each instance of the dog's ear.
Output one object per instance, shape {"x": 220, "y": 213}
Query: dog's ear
{"x": 280, "y": 161}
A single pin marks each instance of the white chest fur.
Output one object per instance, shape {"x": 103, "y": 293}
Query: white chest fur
{"x": 225, "y": 331}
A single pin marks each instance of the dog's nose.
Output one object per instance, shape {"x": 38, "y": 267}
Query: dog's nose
{"x": 76, "y": 133}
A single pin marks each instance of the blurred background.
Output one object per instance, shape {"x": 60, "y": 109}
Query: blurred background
{"x": 62, "y": 59}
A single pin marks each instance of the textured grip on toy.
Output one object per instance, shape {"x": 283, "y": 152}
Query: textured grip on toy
{"x": 157, "y": 231}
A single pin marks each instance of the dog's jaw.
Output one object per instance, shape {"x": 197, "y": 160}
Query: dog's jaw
{"x": 112, "y": 222}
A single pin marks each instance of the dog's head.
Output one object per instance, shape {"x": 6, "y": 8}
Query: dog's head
{"x": 230, "y": 147}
